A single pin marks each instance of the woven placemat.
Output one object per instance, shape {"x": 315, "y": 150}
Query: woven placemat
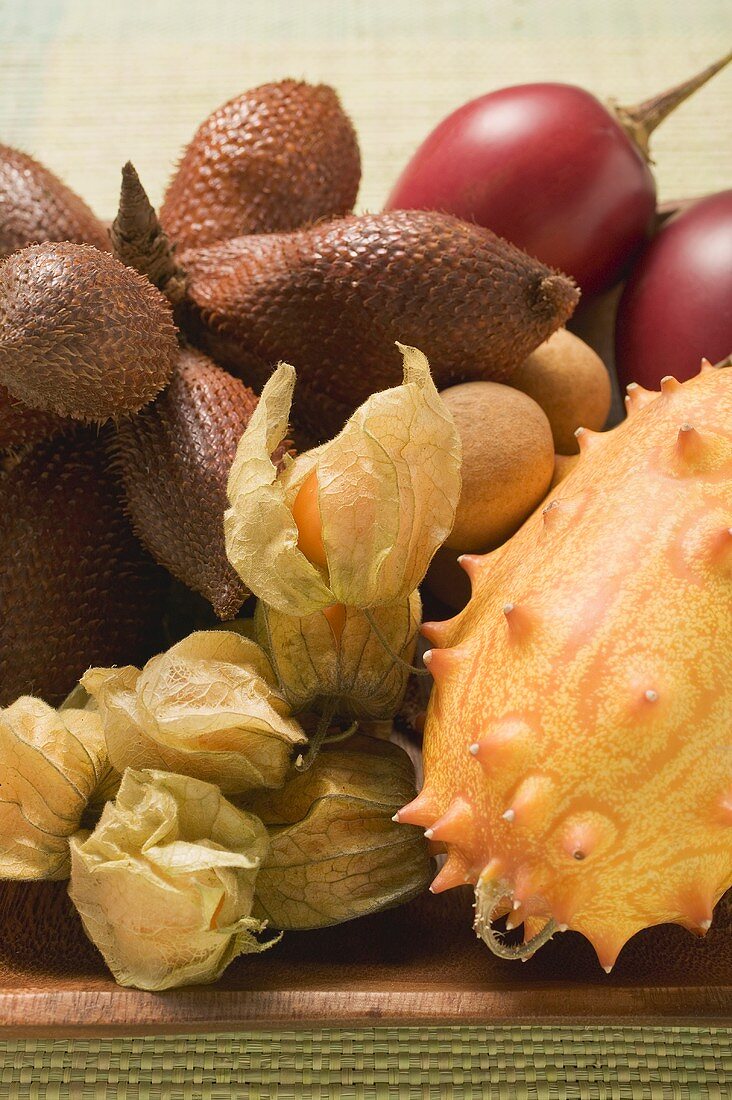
{"x": 507, "y": 1063}
{"x": 87, "y": 85}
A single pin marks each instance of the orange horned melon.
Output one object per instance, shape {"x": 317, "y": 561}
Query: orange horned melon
{"x": 578, "y": 743}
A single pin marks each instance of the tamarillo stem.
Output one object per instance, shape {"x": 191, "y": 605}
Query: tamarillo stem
{"x": 139, "y": 240}
{"x": 640, "y": 120}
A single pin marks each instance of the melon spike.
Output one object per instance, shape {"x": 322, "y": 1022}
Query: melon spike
{"x": 492, "y": 871}
{"x": 437, "y": 632}
{"x": 473, "y": 564}
{"x": 705, "y": 365}
{"x": 637, "y": 398}
{"x": 531, "y": 799}
{"x": 689, "y": 444}
{"x": 609, "y": 943}
{"x": 454, "y": 872}
{"x": 586, "y": 438}
{"x": 697, "y": 910}
{"x": 456, "y": 826}
{"x": 669, "y": 384}
{"x": 520, "y": 621}
{"x": 516, "y": 918}
{"x": 421, "y": 811}
{"x": 442, "y": 662}
{"x": 506, "y": 742}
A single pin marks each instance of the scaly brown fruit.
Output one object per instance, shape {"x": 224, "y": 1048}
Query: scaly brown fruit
{"x": 22, "y": 427}
{"x": 175, "y": 458}
{"x": 76, "y": 588}
{"x": 278, "y": 157}
{"x": 35, "y": 206}
{"x": 80, "y": 334}
{"x": 333, "y": 299}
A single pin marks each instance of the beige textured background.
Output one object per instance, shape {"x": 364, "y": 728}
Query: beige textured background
{"x": 87, "y": 84}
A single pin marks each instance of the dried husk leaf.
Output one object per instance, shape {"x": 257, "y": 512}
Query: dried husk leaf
{"x": 164, "y": 885}
{"x": 51, "y": 764}
{"x": 109, "y": 781}
{"x": 208, "y": 708}
{"x": 355, "y": 669}
{"x": 261, "y": 535}
{"x": 335, "y": 854}
{"x": 388, "y": 486}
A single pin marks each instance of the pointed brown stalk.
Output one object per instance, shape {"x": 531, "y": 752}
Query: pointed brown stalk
{"x": 640, "y": 120}
{"x": 139, "y": 240}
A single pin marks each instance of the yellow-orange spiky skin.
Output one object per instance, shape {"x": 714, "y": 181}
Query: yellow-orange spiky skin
{"x": 579, "y": 733}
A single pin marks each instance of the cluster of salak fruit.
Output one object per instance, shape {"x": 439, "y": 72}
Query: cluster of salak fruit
{"x": 606, "y": 614}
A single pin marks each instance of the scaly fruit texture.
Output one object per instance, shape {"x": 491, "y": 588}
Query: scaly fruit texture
{"x": 578, "y": 761}
{"x": 82, "y": 335}
{"x": 22, "y": 427}
{"x": 35, "y": 206}
{"x": 275, "y": 158}
{"x": 175, "y": 458}
{"x": 76, "y": 588}
{"x": 334, "y": 299}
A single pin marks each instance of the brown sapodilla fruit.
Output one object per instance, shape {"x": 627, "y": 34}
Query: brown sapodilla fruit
{"x": 35, "y": 206}
{"x": 22, "y": 427}
{"x": 333, "y": 299}
{"x": 80, "y": 334}
{"x": 76, "y": 587}
{"x": 175, "y": 458}
{"x": 274, "y": 158}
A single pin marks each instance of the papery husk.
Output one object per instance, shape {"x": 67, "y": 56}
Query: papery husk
{"x": 164, "y": 885}
{"x": 335, "y": 853}
{"x": 109, "y": 780}
{"x": 51, "y": 765}
{"x": 388, "y": 486}
{"x": 209, "y": 707}
{"x": 365, "y": 679}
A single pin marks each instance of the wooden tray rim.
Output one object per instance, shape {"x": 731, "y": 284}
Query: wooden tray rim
{"x": 94, "y": 1013}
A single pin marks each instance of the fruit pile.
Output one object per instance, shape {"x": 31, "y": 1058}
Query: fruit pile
{"x": 159, "y": 473}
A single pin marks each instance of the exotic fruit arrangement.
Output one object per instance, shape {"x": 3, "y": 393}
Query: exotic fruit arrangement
{"x": 243, "y": 443}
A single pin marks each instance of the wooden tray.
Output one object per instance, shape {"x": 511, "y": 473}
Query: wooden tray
{"x": 420, "y": 964}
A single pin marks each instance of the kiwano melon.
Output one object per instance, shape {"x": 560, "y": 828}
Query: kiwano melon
{"x": 578, "y": 742}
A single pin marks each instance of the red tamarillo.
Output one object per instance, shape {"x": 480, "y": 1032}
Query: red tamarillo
{"x": 551, "y": 168}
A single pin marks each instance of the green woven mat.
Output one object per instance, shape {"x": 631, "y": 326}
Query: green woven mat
{"x": 508, "y": 1063}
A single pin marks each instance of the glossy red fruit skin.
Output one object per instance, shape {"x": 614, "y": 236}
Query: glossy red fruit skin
{"x": 546, "y": 166}
{"x": 677, "y": 304}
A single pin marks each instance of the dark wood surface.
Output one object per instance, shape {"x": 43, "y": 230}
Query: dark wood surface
{"x": 420, "y": 964}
